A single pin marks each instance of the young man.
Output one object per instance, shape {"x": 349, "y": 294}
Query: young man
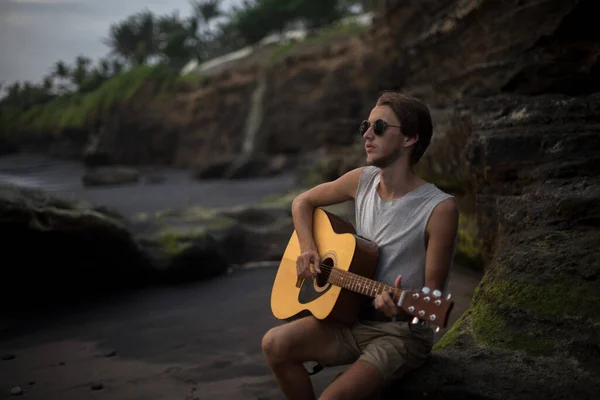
{"x": 415, "y": 227}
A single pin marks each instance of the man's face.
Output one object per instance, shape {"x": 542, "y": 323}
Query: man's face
{"x": 387, "y": 147}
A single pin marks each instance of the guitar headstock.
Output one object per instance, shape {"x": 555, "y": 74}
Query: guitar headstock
{"x": 427, "y": 306}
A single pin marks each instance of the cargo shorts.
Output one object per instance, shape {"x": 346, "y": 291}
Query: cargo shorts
{"x": 393, "y": 347}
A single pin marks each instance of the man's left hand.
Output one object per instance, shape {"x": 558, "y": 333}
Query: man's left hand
{"x": 384, "y": 303}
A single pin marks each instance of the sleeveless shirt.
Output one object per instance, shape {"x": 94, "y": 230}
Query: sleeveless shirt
{"x": 397, "y": 227}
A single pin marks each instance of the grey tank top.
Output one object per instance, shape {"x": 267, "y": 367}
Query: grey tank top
{"x": 397, "y": 227}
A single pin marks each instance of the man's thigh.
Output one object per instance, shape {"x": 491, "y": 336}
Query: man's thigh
{"x": 311, "y": 339}
{"x": 394, "y": 348}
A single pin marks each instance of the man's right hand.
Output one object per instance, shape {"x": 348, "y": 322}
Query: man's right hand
{"x": 304, "y": 261}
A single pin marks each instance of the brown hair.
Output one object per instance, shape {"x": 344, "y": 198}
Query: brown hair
{"x": 414, "y": 118}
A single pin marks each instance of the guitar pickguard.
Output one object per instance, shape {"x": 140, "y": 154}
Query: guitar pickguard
{"x": 309, "y": 293}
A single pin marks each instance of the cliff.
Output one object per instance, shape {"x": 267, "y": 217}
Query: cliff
{"x": 521, "y": 75}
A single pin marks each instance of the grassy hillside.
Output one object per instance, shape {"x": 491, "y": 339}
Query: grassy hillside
{"x": 74, "y": 109}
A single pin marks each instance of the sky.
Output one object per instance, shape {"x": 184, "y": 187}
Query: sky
{"x": 34, "y": 34}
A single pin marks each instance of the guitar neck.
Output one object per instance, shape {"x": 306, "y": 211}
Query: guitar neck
{"x": 362, "y": 285}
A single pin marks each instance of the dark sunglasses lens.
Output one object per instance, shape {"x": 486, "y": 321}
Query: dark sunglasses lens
{"x": 379, "y": 127}
{"x": 364, "y": 126}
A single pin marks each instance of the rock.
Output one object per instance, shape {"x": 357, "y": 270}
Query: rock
{"x": 184, "y": 244}
{"x": 16, "y": 391}
{"x": 199, "y": 242}
{"x": 7, "y": 145}
{"x": 112, "y": 175}
{"x": 533, "y": 322}
{"x": 448, "y": 50}
{"x": 244, "y": 167}
{"x": 7, "y": 357}
{"x": 97, "y": 386}
{"x": 72, "y": 241}
{"x": 95, "y": 159}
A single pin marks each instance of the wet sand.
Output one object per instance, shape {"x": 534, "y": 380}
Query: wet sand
{"x": 178, "y": 188}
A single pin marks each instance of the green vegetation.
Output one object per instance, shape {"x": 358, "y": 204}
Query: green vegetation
{"x": 469, "y": 246}
{"x": 326, "y": 35}
{"x": 453, "y": 333}
{"x": 495, "y": 300}
{"x": 145, "y": 47}
{"x": 75, "y": 109}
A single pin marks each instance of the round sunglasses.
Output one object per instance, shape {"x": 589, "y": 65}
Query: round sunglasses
{"x": 379, "y": 127}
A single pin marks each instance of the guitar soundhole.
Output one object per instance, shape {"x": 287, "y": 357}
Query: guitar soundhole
{"x": 323, "y": 277}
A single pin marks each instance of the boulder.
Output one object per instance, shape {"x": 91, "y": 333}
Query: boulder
{"x": 58, "y": 249}
{"x": 230, "y": 237}
{"x": 110, "y": 175}
{"x": 532, "y": 329}
{"x": 186, "y": 244}
{"x": 244, "y": 167}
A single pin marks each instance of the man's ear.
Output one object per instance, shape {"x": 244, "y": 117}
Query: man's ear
{"x": 409, "y": 141}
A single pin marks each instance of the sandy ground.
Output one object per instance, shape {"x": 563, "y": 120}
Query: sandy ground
{"x": 196, "y": 341}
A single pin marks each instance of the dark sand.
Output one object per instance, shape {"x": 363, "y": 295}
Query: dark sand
{"x": 198, "y": 341}
{"x": 195, "y": 341}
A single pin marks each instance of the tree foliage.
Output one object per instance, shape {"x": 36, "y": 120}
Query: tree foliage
{"x": 145, "y": 38}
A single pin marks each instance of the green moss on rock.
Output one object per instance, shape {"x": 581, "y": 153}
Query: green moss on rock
{"x": 499, "y": 300}
{"x": 451, "y": 336}
{"x": 469, "y": 247}
{"x": 173, "y": 243}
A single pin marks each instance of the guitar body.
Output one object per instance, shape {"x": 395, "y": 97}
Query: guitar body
{"x": 339, "y": 247}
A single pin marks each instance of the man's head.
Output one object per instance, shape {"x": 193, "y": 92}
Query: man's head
{"x": 399, "y": 126}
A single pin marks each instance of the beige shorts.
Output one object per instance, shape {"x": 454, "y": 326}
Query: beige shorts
{"x": 394, "y": 348}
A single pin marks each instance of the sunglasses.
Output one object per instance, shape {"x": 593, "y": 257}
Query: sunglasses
{"x": 379, "y": 127}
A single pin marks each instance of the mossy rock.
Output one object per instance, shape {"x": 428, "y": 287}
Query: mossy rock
{"x": 469, "y": 251}
{"x": 74, "y": 249}
{"x": 185, "y": 244}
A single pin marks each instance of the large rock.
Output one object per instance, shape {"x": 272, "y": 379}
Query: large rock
{"x": 110, "y": 175}
{"x": 532, "y": 330}
{"x": 229, "y": 236}
{"x": 56, "y": 249}
{"x": 445, "y": 50}
{"x": 185, "y": 244}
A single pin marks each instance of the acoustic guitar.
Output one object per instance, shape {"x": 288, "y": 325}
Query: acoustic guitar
{"x": 348, "y": 263}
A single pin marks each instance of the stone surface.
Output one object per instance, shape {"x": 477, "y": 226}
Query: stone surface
{"x": 110, "y": 175}
{"x": 52, "y": 241}
{"x": 533, "y": 325}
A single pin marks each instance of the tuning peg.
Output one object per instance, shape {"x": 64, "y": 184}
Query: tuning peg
{"x": 415, "y": 320}
{"x": 436, "y": 293}
{"x": 426, "y": 290}
{"x": 448, "y": 297}
{"x": 437, "y": 329}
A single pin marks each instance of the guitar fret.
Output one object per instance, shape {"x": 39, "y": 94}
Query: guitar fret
{"x": 360, "y": 284}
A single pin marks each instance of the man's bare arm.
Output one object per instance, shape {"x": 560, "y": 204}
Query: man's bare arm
{"x": 326, "y": 194}
{"x": 441, "y": 231}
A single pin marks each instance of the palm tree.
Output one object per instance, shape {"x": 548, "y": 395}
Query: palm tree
{"x": 80, "y": 72}
{"x": 62, "y": 72}
{"x": 47, "y": 84}
{"x": 134, "y": 39}
{"x": 206, "y": 10}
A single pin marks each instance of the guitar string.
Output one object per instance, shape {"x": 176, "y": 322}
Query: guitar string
{"x": 365, "y": 283}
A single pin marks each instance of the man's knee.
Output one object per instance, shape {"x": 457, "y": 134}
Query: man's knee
{"x": 273, "y": 345}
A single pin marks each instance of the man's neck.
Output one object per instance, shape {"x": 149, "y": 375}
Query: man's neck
{"x": 397, "y": 180}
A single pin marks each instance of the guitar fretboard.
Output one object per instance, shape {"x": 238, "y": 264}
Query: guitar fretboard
{"x": 360, "y": 284}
